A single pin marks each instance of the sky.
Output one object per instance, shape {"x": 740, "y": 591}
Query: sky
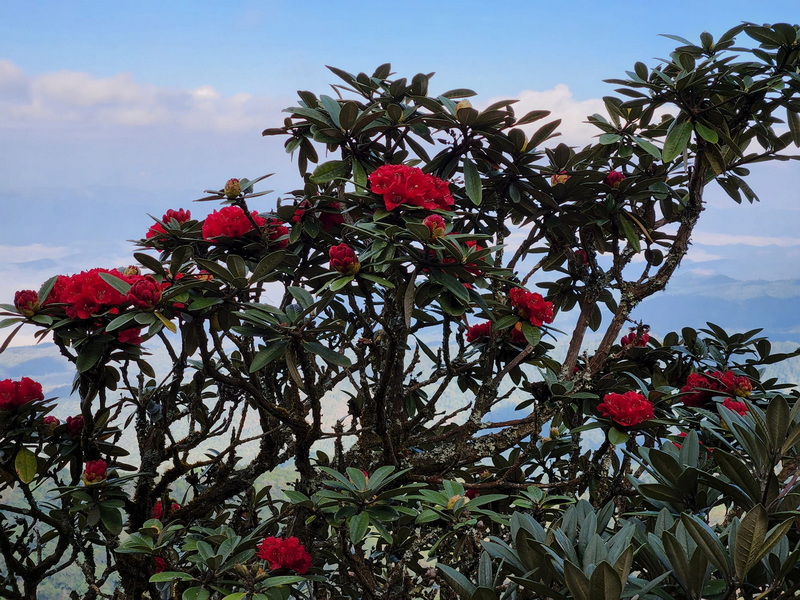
{"x": 110, "y": 111}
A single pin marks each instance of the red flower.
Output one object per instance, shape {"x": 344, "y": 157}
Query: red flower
{"x": 285, "y": 554}
{"x": 735, "y": 406}
{"x": 344, "y": 259}
{"x": 628, "y": 409}
{"x": 130, "y": 336}
{"x": 481, "y": 330}
{"x": 400, "y": 184}
{"x": 436, "y": 225}
{"x": 161, "y": 565}
{"x": 230, "y": 221}
{"x": 232, "y": 189}
{"x": 531, "y": 306}
{"x": 26, "y": 302}
{"x": 15, "y": 394}
{"x": 472, "y": 493}
{"x": 94, "y": 471}
{"x": 158, "y": 509}
{"x": 560, "y": 177}
{"x": 582, "y": 257}
{"x": 614, "y": 178}
{"x": 75, "y": 425}
{"x": 180, "y": 215}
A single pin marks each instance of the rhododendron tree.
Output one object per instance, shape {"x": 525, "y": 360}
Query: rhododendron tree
{"x": 388, "y": 330}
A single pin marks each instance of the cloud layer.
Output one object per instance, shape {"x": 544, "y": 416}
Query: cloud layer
{"x": 74, "y": 97}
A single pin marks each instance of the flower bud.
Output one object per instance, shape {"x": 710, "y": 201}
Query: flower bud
{"x": 232, "y": 189}
{"x": 344, "y": 259}
{"x": 94, "y": 471}
{"x": 49, "y": 424}
{"x": 454, "y": 499}
{"x": 75, "y": 425}
{"x": 145, "y": 293}
{"x": 613, "y": 179}
{"x": 27, "y": 302}
{"x": 131, "y": 271}
{"x": 436, "y": 225}
{"x": 557, "y": 178}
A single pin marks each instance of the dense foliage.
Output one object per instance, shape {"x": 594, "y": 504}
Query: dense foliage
{"x": 405, "y": 267}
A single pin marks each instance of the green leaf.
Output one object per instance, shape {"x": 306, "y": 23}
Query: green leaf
{"x": 340, "y": 282}
{"x": 196, "y": 593}
{"x": 533, "y": 334}
{"x": 472, "y": 182}
{"x": 328, "y": 171}
{"x": 460, "y": 584}
{"x": 617, "y": 437}
{"x": 26, "y": 465}
{"x": 793, "y": 121}
{"x": 327, "y": 354}
{"x": 707, "y": 133}
{"x": 266, "y": 266}
{"x": 577, "y": 582}
{"x": 605, "y": 583}
{"x": 112, "y": 519}
{"x": 171, "y": 576}
{"x": 708, "y": 541}
{"x": 648, "y": 147}
{"x": 749, "y": 540}
{"x": 630, "y": 232}
{"x": 266, "y": 355}
{"x": 379, "y": 280}
{"x": 358, "y": 527}
{"x": 678, "y": 138}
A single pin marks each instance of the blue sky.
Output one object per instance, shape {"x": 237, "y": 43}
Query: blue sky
{"x": 111, "y": 110}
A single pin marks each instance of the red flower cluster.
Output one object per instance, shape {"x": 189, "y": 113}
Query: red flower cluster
{"x": 344, "y": 259}
{"x": 531, "y": 306}
{"x": 736, "y": 406}
{"x": 158, "y": 509}
{"x": 614, "y": 178}
{"x": 582, "y": 257}
{"x": 14, "y": 394}
{"x": 436, "y": 225}
{"x": 161, "y": 565}
{"x": 86, "y": 294}
{"x": 632, "y": 339}
{"x": 628, "y": 409}
{"x": 230, "y": 221}
{"x": 26, "y": 302}
{"x": 400, "y": 184}
{"x": 714, "y": 383}
{"x": 180, "y": 215}
{"x": 95, "y": 471}
{"x": 145, "y": 293}
{"x": 286, "y": 553}
{"x": 483, "y": 330}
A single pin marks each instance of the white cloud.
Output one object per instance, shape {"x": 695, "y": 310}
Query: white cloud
{"x": 31, "y": 252}
{"x": 562, "y": 105}
{"x": 700, "y": 255}
{"x": 82, "y": 98}
{"x": 728, "y": 239}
